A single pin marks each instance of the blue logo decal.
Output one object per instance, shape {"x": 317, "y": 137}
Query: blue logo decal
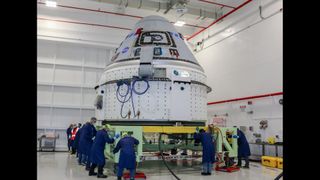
{"x": 125, "y": 50}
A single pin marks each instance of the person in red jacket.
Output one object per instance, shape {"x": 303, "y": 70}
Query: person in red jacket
{"x": 69, "y": 136}
{"x": 73, "y": 137}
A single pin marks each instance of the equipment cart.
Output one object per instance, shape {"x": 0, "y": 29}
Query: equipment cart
{"x": 47, "y": 142}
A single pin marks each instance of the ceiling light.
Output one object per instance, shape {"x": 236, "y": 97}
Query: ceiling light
{"x": 179, "y": 23}
{"x": 51, "y": 3}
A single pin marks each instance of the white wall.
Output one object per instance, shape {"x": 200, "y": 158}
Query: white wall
{"x": 242, "y": 56}
{"x": 248, "y": 63}
{"x": 67, "y": 75}
{"x": 267, "y": 108}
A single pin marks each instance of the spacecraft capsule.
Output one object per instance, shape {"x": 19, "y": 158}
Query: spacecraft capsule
{"x": 153, "y": 76}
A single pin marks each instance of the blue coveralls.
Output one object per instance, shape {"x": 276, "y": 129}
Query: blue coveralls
{"x": 127, "y": 155}
{"x": 97, "y": 157}
{"x": 243, "y": 148}
{"x": 87, "y": 133}
{"x": 68, "y": 137}
{"x": 208, "y": 151}
{"x": 76, "y": 145}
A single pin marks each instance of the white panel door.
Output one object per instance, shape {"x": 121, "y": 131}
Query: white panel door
{"x": 180, "y": 101}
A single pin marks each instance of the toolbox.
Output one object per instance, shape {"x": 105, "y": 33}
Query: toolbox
{"x": 269, "y": 161}
{"x": 280, "y": 163}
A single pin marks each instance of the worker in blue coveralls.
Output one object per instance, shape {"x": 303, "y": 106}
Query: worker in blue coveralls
{"x": 208, "y": 150}
{"x": 97, "y": 157}
{"x": 88, "y": 132}
{"x": 127, "y": 155}
{"x": 76, "y": 144}
{"x": 76, "y": 140}
{"x": 69, "y": 136}
{"x": 82, "y": 160}
{"x": 243, "y": 149}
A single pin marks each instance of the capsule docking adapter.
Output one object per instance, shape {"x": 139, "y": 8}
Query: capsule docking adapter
{"x": 153, "y": 72}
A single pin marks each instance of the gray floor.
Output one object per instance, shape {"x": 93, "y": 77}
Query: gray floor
{"x": 63, "y": 166}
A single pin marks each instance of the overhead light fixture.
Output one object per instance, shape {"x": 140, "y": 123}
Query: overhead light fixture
{"x": 51, "y": 3}
{"x": 179, "y": 23}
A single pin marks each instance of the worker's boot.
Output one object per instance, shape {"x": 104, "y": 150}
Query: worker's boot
{"x": 102, "y": 176}
{"x": 239, "y": 163}
{"x": 92, "y": 173}
{"x": 247, "y": 164}
{"x": 119, "y": 178}
{"x": 88, "y": 166}
{"x": 100, "y": 172}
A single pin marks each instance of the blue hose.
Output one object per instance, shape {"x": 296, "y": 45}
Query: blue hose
{"x": 133, "y": 89}
{"x": 134, "y": 83}
{"x": 130, "y": 89}
{"x": 124, "y": 97}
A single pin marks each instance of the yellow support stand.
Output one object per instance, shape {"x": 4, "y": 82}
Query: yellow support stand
{"x": 170, "y": 129}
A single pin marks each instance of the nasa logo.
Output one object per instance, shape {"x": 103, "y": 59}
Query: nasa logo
{"x": 125, "y": 50}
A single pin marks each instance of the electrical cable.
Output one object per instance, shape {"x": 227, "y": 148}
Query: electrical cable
{"x": 133, "y": 89}
{"x": 165, "y": 163}
{"x": 119, "y": 84}
{"x": 130, "y": 89}
{"x": 134, "y": 83}
{"x": 279, "y": 176}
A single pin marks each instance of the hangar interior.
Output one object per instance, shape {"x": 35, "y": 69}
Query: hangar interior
{"x": 236, "y": 43}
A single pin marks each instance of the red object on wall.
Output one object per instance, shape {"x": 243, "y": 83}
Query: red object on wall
{"x": 219, "y": 19}
{"x": 245, "y": 98}
{"x": 113, "y": 13}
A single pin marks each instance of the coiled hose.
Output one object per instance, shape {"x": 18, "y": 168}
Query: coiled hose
{"x": 123, "y": 98}
{"x": 165, "y": 163}
{"x": 119, "y": 84}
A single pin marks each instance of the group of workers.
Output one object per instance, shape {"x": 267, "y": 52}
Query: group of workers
{"x": 90, "y": 144}
{"x": 71, "y": 134}
{"x": 208, "y": 149}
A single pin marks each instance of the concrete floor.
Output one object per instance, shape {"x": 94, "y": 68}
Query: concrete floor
{"x": 63, "y": 166}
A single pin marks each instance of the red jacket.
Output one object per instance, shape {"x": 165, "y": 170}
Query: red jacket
{"x": 73, "y": 133}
